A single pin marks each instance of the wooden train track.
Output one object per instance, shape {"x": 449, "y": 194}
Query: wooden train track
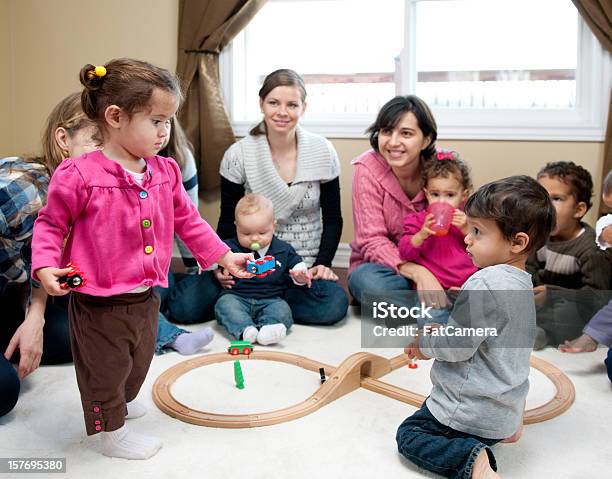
{"x": 358, "y": 370}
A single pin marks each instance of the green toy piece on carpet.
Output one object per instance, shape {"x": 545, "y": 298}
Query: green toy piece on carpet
{"x": 238, "y": 377}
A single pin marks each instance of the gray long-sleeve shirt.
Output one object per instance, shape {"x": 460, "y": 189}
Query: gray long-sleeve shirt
{"x": 480, "y": 380}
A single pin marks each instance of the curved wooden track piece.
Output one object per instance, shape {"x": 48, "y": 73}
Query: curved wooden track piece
{"x": 358, "y": 370}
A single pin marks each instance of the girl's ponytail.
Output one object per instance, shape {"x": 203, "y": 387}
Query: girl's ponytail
{"x": 91, "y": 79}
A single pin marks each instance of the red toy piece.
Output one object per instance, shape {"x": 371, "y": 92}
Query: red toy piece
{"x": 412, "y": 364}
{"x": 74, "y": 279}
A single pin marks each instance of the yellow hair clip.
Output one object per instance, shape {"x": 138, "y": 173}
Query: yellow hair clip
{"x": 100, "y": 71}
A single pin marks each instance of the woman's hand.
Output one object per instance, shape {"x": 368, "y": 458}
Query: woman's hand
{"x": 29, "y": 339}
{"x": 235, "y": 264}
{"x": 429, "y": 289}
{"x": 323, "y": 272}
{"x": 49, "y": 278}
{"x": 225, "y": 279}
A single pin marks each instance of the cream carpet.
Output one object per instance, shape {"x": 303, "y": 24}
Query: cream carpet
{"x": 354, "y": 437}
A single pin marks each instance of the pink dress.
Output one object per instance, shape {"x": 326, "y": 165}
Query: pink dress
{"x": 445, "y": 256}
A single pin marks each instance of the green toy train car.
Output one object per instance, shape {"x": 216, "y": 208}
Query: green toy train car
{"x": 240, "y": 347}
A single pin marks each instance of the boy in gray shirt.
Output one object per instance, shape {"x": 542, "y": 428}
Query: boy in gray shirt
{"x": 480, "y": 374}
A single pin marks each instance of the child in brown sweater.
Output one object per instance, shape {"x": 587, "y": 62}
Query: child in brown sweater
{"x": 569, "y": 269}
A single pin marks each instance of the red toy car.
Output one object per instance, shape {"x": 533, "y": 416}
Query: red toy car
{"x": 74, "y": 279}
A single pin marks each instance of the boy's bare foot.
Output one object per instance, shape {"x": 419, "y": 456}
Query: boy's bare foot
{"x": 482, "y": 468}
{"x": 515, "y": 437}
{"x": 582, "y": 344}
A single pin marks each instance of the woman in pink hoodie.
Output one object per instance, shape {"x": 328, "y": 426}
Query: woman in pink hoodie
{"x": 387, "y": 185}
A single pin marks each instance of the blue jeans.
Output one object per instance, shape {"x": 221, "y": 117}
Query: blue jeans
{"x": 324, "y": 303}
{"x": 166, "y": 333}
{"x": 439, "y": 448}
{"x": 187, "y": 299}
{"x": 56, "y": 338}
{"x": 373, "y": 281}
{"x": 608, "y": 363}
{"x": 9, "y": 386}
{"x": 236, "y": 313}
{"x": 191, "y": 298}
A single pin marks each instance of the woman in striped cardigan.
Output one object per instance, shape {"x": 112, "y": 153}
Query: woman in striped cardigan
{"x": 299, "y": 172}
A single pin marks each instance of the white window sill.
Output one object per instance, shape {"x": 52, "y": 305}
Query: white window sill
{"x": 476, "y": 131}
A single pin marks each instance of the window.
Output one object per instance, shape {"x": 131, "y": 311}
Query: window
{"x": 490, "y": 69}
{"x": 463, "y": 60}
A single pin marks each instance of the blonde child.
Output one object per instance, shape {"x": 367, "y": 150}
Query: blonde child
{"x": 254, "y": 309}
{"x": 119, "y": 209}
{"x": 480, "y": 382}
{"x": 34, "y": 329}
{"x": 446, "y": 179}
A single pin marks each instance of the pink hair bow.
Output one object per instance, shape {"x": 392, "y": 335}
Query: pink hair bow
{"x": 446, "y": 155}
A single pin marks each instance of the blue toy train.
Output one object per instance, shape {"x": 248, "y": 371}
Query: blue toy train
{"x": 262, "y": 267}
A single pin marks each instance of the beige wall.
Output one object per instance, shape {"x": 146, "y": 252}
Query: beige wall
{"x": 44, "y": 43}
{"x": 5, "y": 78}
{"x": 53, "y": 39}
{"x": 489, "y": 160}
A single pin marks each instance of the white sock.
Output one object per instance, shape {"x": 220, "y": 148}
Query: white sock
{"x": 271, "y": 333}
{"x": 190, "y": 343}
{"x": 250, "y": 334}
{"x": 135, "y": 409}
{"x": 129, "y": 445}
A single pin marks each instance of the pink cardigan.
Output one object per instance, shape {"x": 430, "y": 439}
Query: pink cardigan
{"x": 444, "y": 256}
{"x": 119, "y": 234}
{"x": 379, "y": 207}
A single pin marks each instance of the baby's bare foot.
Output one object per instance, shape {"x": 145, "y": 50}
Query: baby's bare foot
{"x": 582, "y": 344}
{"x": 482, "y": 468}
{"x": 515, "y": 437}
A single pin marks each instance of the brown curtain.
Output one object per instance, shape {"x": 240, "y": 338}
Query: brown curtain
{"x": 598, "y": 16}
{"x": 205, "y": 28}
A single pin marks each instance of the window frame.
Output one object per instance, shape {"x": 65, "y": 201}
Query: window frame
{"x": 587, "y": 122}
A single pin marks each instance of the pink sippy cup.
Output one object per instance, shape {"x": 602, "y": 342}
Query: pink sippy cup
{"x": 443, "y": 215}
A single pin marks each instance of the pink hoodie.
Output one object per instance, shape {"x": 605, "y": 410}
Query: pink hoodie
{"x": 119, "y": 234}
{"x": 379, "y": 208}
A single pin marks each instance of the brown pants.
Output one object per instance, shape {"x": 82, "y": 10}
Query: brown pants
{"x": 113, "y": 341}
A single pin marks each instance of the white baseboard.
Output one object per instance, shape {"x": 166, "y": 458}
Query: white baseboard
{"x": 343, "y": 253}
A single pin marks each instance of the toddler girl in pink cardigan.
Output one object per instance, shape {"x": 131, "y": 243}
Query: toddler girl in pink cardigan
{"x": 446, "y": 179}
{"x": 117, "y": 211}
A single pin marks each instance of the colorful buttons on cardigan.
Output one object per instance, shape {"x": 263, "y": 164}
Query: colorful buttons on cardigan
{"x": 143, "y": 194}
{"x": 148, "y": 249}
{"x": 146, "y": 223}
{"x": 96, "y": 409}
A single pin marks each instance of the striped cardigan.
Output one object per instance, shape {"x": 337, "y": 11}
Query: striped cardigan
{"x": 297, "y": 206}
